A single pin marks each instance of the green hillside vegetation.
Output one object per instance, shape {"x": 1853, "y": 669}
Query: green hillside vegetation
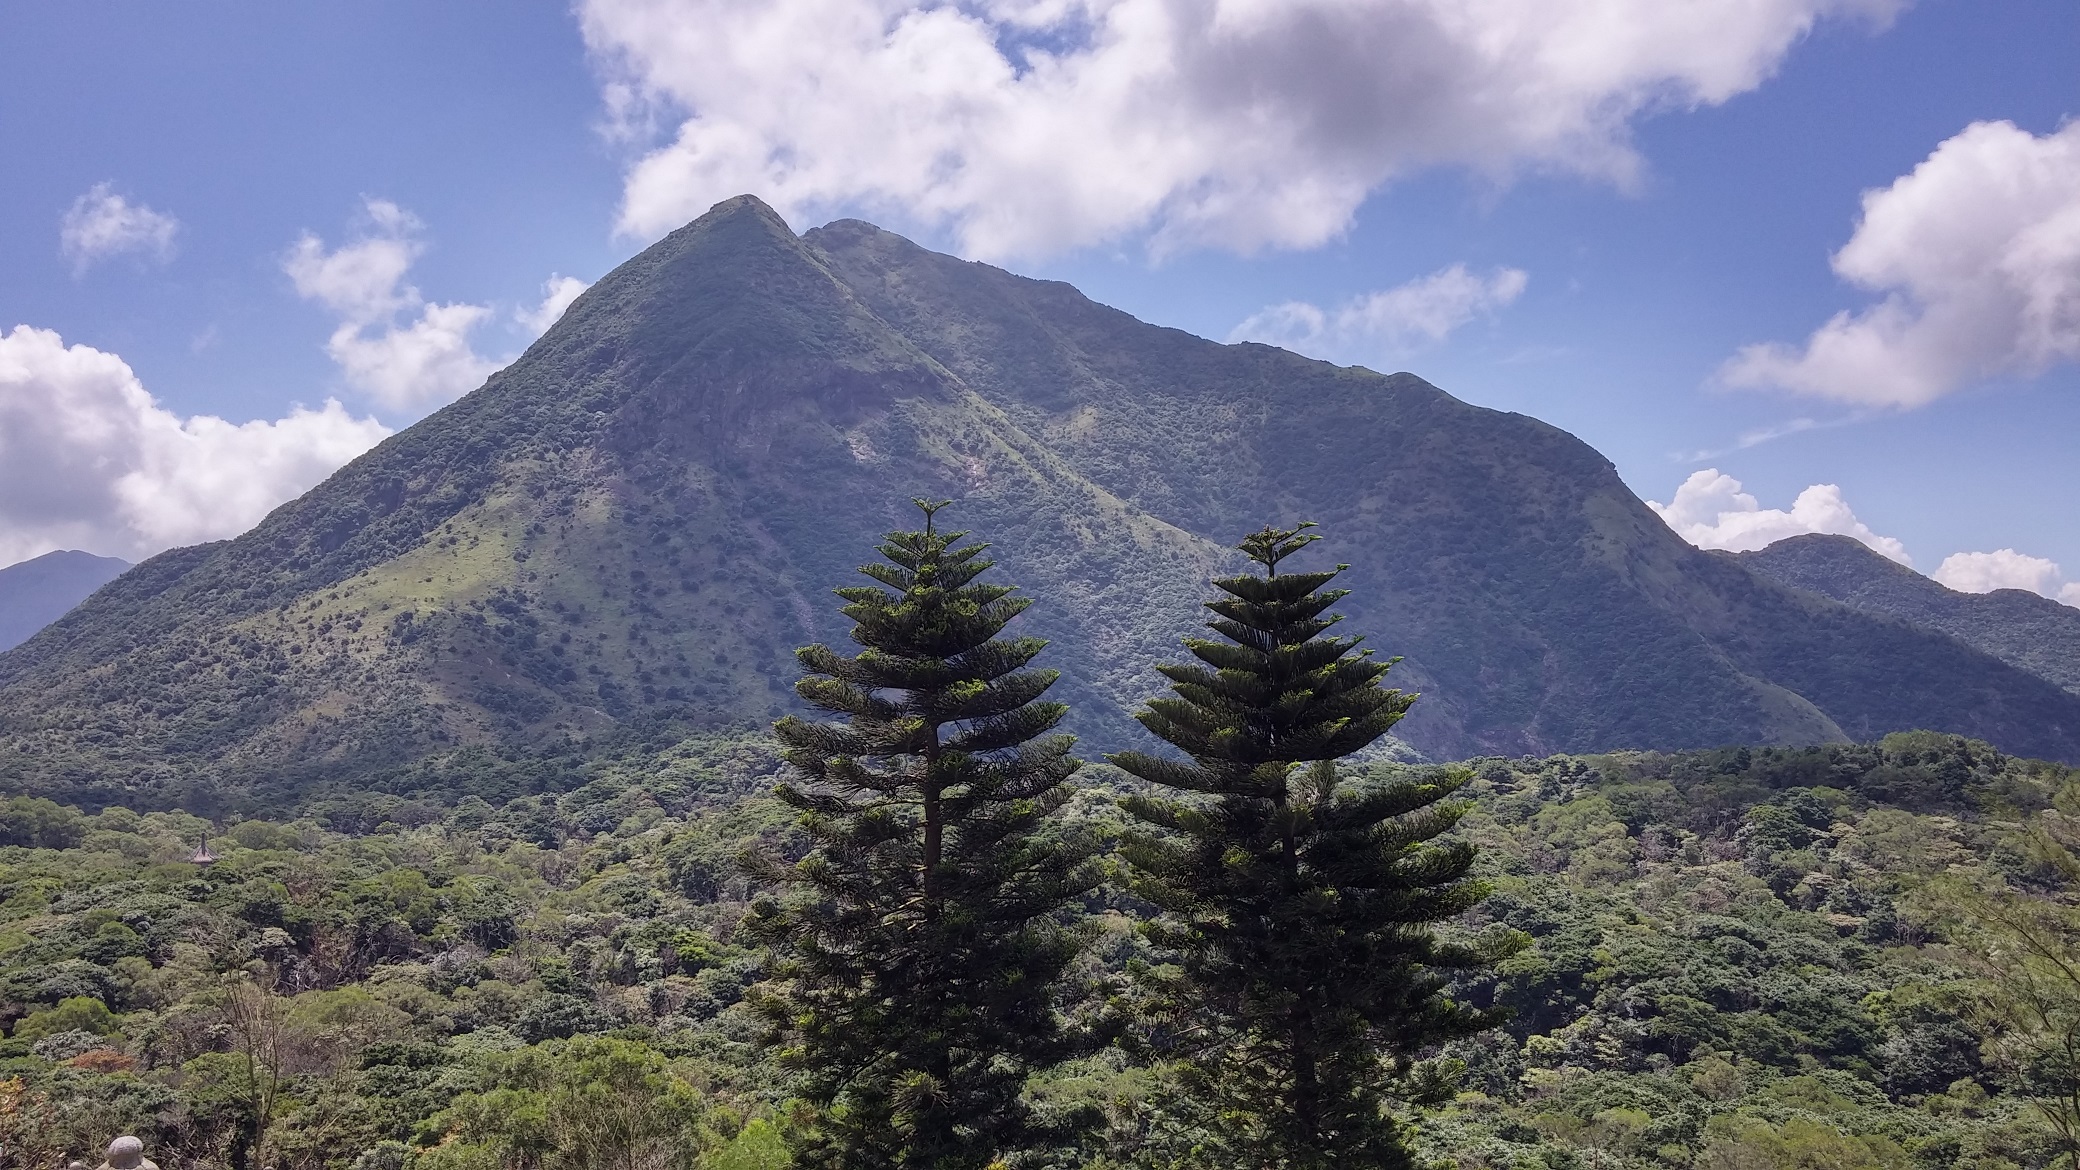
{"x": 2020, "y": 628}
{"x": 623, "y": 535}
{"x": 1738, "y": 958}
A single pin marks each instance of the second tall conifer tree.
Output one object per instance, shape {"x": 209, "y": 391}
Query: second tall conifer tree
{"x": 1298, "y": 903}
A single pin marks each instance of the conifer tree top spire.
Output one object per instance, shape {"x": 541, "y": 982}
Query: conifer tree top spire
{"x": 930, "y": 509}
{"x": 1269, "y": 545}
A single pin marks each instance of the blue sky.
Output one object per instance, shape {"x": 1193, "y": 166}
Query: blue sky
{"x": 260, "y": 208}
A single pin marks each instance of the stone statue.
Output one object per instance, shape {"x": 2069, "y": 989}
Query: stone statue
{"x": 127, "y": 1153}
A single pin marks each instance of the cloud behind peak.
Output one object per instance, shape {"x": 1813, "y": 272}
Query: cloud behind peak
{"x": 1033, "y": 126}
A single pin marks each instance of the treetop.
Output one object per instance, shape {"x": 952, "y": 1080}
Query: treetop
{"x": 1269, "y": 545}
{"x": 930, "y": 508}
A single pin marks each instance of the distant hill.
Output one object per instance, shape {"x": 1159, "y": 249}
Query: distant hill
{"x": 35, "y": 593}
{"x": 628, "y": 530}
{"x": 2016, "y": 626}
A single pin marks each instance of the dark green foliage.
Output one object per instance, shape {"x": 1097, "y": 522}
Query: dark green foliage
{"x": 1694, "y": 995}
{"x": 918, "y": 985}
{"x": 40, "y": 823}
{"x": 1300, "y": 905}
{"x": 1712, "y": 966}
{"x": 445, "y": 982}
{"x": 592, "y": 1104}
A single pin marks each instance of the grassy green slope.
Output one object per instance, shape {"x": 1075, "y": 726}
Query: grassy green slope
{"x": 635, "y": 523}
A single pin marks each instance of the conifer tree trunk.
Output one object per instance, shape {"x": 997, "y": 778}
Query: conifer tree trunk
{"x": 934, "y": 823}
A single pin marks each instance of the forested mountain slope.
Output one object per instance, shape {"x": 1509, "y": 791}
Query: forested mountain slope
{"x": 626, "y": 532}
{"x": 1539, "y": 603}
{"x": 2016, "y": 626}
{"x": 36, "y": 592}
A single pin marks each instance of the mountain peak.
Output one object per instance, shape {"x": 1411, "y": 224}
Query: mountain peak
{"x": 629, "y": 530}
{"x": 744, "y": 205}
{"x": 1826, "y": 552}
{"x": 734, "y": 292}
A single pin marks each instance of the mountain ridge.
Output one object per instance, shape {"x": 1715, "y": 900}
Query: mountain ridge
{"x": 36, "y": 592}
{"x": 633, "y": 524}
{"x": 2024, "y": 629}
{"x": 940, "y": 301}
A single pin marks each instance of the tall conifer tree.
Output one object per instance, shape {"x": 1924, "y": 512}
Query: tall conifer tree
{"x": 1299, "y": 903}
{"x": 922, "y": 953}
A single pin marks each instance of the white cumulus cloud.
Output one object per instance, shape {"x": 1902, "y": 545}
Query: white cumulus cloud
{"x": 406, "y": 352}
{"x": 1977, "y": 253}
{"x": 1711, "y": 511}
{"x": 89, "y": 460}
{"x": 1984, "y": 572}
{"x": 1426, "y": 309}
{"x": 557, "y": 294}
{"x": 101, "y": 223}
{"x": 425, "y": 360}
{"x": 1029, "y": 126}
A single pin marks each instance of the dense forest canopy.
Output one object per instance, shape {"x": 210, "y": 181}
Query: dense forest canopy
{"x": 1739, "y": 958}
